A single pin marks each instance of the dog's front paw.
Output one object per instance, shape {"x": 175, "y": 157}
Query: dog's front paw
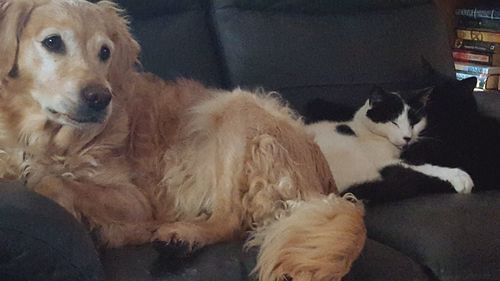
{"x": 461, "y": 180}
{"x": 178, "y": 234}
{"x": 176, "y": 249}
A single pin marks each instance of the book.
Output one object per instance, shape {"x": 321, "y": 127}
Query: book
{"x": 478, "y": 46}
{"x": 479, "y": 13}
{"x": 477, "y": 69}
{"x": 478, "y": 35}
{"x": 471, "y": 23}
{"x": 485, "y": 82}
{"x": 476, "y": 57}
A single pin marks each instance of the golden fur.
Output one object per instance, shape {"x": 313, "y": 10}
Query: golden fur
{"x": 171, "y": 160}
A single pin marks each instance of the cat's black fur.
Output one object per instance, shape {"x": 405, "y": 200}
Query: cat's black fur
{"x": 457, "y": 136}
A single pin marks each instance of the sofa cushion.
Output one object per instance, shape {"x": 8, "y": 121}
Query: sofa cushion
{"x": 323, "y": 7}
{"x": 455, "y": 235}
{"x": 154, "y": 8}
{"x": 227, "y": 262}
{"x": 488, "y": 104}
{"x": 176, "y": 39}
{"x": 378, "y": 262}
{"x": 222, "y": 262}
{"x": 282, "y": 49}
{"x": 40, "y": 241}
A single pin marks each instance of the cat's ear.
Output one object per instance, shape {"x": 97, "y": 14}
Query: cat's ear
{"x": 377, "y": 95}
{"x": 469, "y": 83}
{"x": 424, "y": 94}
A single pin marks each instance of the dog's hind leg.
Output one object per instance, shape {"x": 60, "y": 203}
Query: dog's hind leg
{"x": 206, "y": 198}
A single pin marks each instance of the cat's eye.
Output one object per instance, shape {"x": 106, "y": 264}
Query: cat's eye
{"x": 104, "y": 53}
{"x": 54, "y": 44}
{"x": 395, "y": 124}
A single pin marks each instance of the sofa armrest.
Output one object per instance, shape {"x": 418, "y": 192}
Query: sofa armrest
{"x": 39, "y": 240}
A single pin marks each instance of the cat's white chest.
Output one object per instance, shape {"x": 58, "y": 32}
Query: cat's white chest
{"x": 352, "y": 159}
{"x": 378, "y": 150}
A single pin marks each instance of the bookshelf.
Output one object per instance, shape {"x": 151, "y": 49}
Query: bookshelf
{"x": 474, "y": 58}
{"x": 488, "y": 100}
{"x": 447, "y": 9}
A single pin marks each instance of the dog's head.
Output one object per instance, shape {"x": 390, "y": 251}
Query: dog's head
{"x": 65, "y": 56}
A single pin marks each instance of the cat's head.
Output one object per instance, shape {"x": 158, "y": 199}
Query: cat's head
{"x": 390, "y": 116}
{"x": 452, "y": 102}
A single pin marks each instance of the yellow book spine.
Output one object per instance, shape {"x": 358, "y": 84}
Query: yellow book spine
{"x": 476, "y": 35}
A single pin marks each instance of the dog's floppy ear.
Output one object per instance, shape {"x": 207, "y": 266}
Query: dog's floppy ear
{"x": 126, "y": 52}
{"x": 14, "y": 15}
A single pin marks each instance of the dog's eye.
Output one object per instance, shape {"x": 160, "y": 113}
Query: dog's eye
{"x": 54, "y": 43}
{"x": 104, "y": 53}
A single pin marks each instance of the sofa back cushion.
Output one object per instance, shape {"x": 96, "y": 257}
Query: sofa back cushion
{"x": 332, "y": 49}
{"x": 303, "y": 49}
{"x": 176, "y": 39}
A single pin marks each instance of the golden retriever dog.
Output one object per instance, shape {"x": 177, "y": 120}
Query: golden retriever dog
{"x": 138, "y": 159}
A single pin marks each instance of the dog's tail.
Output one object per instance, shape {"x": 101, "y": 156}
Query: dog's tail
{"x": 315, "y": 240}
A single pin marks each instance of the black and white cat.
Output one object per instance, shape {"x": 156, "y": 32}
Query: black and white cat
{"x": 364, "y": 152}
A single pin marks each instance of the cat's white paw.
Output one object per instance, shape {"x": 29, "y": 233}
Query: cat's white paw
{"x": 461, "y": 180}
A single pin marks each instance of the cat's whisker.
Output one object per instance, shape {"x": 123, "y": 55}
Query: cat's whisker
{"x": 423, "y": 138}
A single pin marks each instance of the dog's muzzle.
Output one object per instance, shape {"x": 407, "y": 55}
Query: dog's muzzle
{"x": 95, "y": 100}
{"x": 96, "y": 97}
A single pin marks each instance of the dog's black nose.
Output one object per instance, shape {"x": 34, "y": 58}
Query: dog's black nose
{"x": 96, "y": 97}
{"x": 407, "y": 139}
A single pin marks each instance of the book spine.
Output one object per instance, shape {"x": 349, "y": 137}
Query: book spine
{"x": 493, "y": 14}
{"x": 477, "y": 35}
{"x": 472, "y": 57}
{"x": 465, "y": 22}
{"x": 479, "y": 46}
{"x": 476, "y": 69}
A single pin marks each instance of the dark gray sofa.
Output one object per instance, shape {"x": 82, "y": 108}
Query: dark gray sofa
{"x": 304, "y": 49}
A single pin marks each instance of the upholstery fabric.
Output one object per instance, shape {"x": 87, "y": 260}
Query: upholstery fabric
{"x": 455, "y": 235}
{"x": 40, "y": 241}
{"x": 322, "y": 7}
{"x": 281, "y": 50}
{"x": 227, "y": 262}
